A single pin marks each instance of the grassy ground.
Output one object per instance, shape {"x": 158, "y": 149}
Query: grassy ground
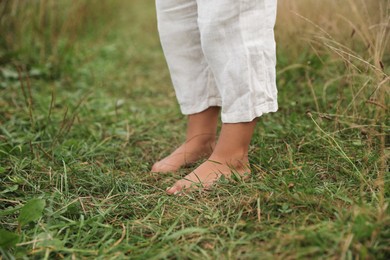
{"x": 86, "y": 107}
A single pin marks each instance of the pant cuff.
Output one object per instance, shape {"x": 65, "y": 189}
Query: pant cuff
{"x": 211, "y": 102}
{"x": 248, "y": 116}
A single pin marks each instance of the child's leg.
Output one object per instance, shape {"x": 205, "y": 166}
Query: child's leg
{"x": 191, "y": 75}
{"x": 230, "y": 155}
{"x": 200, "y": 141}
{"x": 192, "y": 79}
{"x": 238, "y": 43}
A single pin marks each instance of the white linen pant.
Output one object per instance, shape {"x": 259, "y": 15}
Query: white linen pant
{"x": 221, "y": 53}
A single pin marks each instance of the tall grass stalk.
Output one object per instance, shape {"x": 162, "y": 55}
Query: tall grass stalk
{"x": 356, "y": 35}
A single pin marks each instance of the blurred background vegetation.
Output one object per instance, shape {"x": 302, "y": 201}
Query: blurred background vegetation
{"x": 46, "y": 37}
{"x": 86, "y": 107}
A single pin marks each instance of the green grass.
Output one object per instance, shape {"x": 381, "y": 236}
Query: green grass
{"x": 79, "y": 131}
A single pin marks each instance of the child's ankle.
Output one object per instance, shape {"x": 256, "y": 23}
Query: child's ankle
{"x": 238, "y": 159}
{"x": 202, "y": 139}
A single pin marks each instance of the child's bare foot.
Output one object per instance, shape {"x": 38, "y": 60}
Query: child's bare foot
{"x": 209, "y": 172}
{"x": 229, "y": 156}
{"x": 200, "y": 142}
{"x": 190, "y": 152}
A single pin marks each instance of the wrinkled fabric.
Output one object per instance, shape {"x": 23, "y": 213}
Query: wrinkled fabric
{"x": 221, "y": 53}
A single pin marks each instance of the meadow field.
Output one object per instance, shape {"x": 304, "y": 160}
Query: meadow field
{"x": 87, "y": 107}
